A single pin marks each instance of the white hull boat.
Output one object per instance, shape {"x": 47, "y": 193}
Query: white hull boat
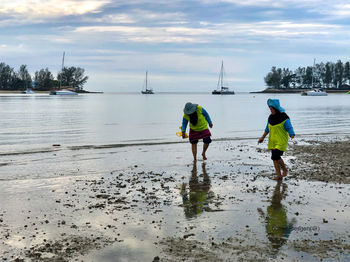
{"x": 28, "y": 91}
{"x": 220, "y": 88}
{"x": 63, "y": 92}
{"x": 315, "y": 92}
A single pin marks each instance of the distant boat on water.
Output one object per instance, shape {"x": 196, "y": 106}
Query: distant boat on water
{"x": 28, "y": 91}
{"x": 63, "y": 92}
{"x": 314, "y": 92}
{"x": 146, "y": 90}
{"x": 220, "y": 88}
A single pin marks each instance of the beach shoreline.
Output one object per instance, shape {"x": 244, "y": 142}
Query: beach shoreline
{"x": 148, "y": 211}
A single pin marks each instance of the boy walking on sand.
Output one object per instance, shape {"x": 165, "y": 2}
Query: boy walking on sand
{"x": 278, "y": 127}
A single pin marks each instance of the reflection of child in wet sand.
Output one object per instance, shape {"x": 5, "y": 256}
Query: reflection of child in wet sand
{"x": 278, "y": 127}
{"x": 199, "y": 120}
{"x": 278, "y": 228}
{"x": 196, "y": 200}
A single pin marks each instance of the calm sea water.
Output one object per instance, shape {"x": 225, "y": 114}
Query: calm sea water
{"x": 39, "y": 182}
{"x": 37, "y": 121}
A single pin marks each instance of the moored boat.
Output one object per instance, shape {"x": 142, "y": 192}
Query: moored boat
{"x": 220, "y": 88}
{"x": 63, "y": 92}
{"x": 28, "y": 91}
{"x": 147, "y": 90}
{"x": 314, "y": 92}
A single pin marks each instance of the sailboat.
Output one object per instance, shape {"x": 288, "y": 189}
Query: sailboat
{"x": 315, "y": 90}
{"x": 64, "y": 92}
{"x": 28, "y": 90}
{"x": 147, "y": 90}
{"x": 220, "y": 88}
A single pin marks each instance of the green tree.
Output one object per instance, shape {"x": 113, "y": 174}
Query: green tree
{"x": 72, "y": 77}
{"x": 273, "y": 78}
{"x": 338, "y": 74}
{"x": 287, "y": 77}
{"x": 7, "y": 77}
{"x": 327, "y": 78}
{"x": 299, "y": 76}
{"x": 319, "y": 71}
{"x": 347, "y": 72}
{"x": 307, "y": 78}
{"x": 43, "y": 80}
{"x": 25, "y": 80}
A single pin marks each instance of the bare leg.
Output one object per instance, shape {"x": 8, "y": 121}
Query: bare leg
{"x": 194, "y": 152}
{"x": 277, "y": 166}
{"x": 205, "y": 147}
{"x": 283, "y": 166}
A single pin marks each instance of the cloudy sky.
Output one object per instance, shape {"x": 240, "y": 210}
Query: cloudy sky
{"x": 180, "y": 43}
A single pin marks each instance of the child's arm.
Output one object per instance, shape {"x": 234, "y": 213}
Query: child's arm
{"x": 261, "y": 139}
{"x": 207, "y": 117}
{"x": 288, "y": 126}
{"x": 184, "y": 125}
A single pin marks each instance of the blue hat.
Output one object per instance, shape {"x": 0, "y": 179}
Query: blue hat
{"x": 190, "y": 108}
{"x": 275, "y": 103}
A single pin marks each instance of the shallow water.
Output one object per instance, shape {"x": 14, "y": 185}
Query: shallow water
{"x": 42, "y": 120}
{"x": 32, "y": 124}
{"x": 123, "y": 147}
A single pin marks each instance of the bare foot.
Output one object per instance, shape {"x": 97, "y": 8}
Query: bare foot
{"x": 204, "y": 157}
{"x": 285, "y": 172}
{"x": 277, "y": 178}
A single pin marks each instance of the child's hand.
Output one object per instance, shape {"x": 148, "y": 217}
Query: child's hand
{"x": 294, "y": 141}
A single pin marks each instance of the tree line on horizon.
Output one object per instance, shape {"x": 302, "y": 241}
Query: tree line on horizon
{"x": 43, "y": 80}
{"x": 322, "y": 75}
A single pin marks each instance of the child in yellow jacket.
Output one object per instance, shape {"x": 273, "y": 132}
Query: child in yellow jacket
{"x": 278, "y": 127}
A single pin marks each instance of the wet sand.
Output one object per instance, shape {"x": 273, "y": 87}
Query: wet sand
{"x": 323, "y": 161}
{"x": 111, "y": 204}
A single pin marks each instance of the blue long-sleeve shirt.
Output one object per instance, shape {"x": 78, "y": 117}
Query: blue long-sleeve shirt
{"x": 185, "y": 121}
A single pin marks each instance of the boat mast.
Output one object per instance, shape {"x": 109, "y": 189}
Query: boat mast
{"x": 222, "y": 74}
{"x": 146, "y": 80}
{"x": 62, "y": 68}
{"x": 63, "y": 60}
{"x": 312, "y": 74}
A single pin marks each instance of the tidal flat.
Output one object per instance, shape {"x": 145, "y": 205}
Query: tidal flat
{"x": 152, "y": 203}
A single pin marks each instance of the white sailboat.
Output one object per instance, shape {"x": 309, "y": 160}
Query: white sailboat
{"x": 63, "y": 91}
{"x": 147, "y": 90}
{"x": 220, "y": 88}
{"x": 315, "y": 91}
